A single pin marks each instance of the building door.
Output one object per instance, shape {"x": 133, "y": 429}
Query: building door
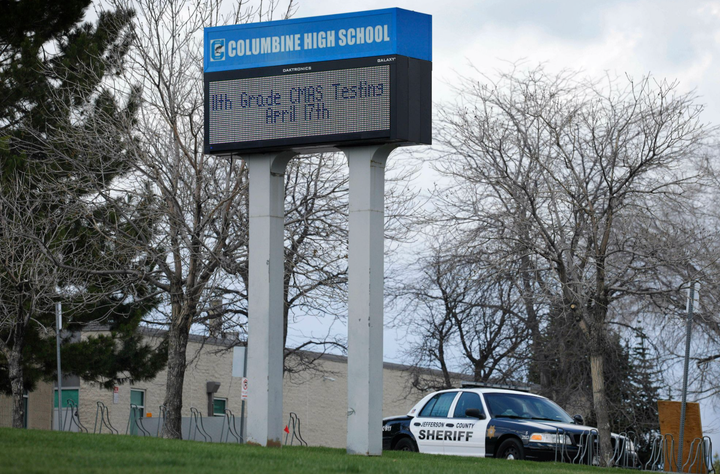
{"x": 137, "y": 409}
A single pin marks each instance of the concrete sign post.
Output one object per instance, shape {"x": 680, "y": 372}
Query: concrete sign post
{"x": 265, "y": 296}
{"x": 356, "y": 82}
{"x": 365, "y": 297}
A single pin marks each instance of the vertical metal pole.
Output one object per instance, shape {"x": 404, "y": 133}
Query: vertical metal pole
{"x": 242, "y": 402}
{"x": 58, "y": 326}
{"x": 691, "y": 299}
{"x": 265, "y": 297}
{"x": 365, "y": 298}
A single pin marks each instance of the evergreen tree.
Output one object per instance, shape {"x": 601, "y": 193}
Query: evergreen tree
{"x": 52, "y": 68}
{"x": 645, "y": 380}
{"x": 630, "y": 384}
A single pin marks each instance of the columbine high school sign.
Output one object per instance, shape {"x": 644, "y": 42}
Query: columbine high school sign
{"x": 359, "y": 83}
{"x": 356, "y": 78}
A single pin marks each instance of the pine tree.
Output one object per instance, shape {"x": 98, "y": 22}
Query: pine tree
{"x": 51, "y": 79}
{"x": 645, "y": 380}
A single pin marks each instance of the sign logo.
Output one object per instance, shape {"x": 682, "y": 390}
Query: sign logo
{"x": 217, "y": 50}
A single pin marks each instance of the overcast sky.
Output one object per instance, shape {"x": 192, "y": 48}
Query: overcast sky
{"x": 673, "y": 39}
{"x": 669, "y": 39}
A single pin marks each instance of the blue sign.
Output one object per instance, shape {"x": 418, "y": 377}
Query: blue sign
{"x": 325, "y": 38}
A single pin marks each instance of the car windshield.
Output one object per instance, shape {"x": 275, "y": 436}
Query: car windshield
{"x": 516, "y": 405}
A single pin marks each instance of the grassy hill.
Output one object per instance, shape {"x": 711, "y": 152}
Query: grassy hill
{"x": 31, "y": 451}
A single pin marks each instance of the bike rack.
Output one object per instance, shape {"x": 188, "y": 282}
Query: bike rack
{"x": 161, "y": 421}
{"x": 655, "y": 454}
{"x": 558, "y": 432}
{"x": 294, "y": 421}
{"x": 586, "y": 447}
{"x": 621, "y": 452}
{"x": 196, "y": 419}
{"x": 662, "y": 447}
{"x": 673, "y": 460}
{"x": 703, "y": 454}
{"x": 75, "y": 417}
{"x": 631, "y": 438}
{"x": 104, "y": 414}
{"x": 137, "y": 420}
{"x": 231, "y": 427}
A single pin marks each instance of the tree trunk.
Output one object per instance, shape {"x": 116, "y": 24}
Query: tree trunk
{"x": 177, "y": 349}
{"x": 539, "y": 362}
{"x": 15, "y": 370}
{"x": 600, "y": 404}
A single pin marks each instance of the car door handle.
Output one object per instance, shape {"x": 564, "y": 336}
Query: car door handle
{"x": 416, "y": 424}
{"x": 449, "y": 425}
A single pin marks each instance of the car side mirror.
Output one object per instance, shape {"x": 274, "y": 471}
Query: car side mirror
{"x": 578, "y": 419}
{"x": 475, "y": 413}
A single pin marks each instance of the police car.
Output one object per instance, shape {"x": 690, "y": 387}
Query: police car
{"x": 501, "y": 423}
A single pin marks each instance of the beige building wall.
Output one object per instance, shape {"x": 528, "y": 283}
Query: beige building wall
{"x": 319, "y": 399}
{"x": 208, "y": 361}
{"x": 39, "y": 408}
{"x": 317, "y": 396}
{"x": 5, "y": 411}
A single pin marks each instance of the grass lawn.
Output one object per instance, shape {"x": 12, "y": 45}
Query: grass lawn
{"x": 32, "y": 451}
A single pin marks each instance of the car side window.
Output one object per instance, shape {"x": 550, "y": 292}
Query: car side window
{"x": 467, "y": 400}
{"x": 438, "y": 406}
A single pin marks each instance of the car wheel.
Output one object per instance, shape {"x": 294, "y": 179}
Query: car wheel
{"x": 511, "y": 449}
{"x": 405, "y": 444}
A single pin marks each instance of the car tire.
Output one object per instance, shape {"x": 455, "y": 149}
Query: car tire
{"x": 511, "y": 449}
{"x": 405, "y": 444}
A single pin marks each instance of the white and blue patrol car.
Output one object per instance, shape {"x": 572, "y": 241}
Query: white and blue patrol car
{"x": 501, "y": 423}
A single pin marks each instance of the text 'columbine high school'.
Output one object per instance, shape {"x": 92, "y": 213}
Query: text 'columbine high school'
{"x": 308, "y": 41}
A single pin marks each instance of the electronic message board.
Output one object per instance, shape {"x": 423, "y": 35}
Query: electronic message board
{"x": 347, "y": 79}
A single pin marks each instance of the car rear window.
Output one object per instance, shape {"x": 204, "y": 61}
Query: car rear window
{"x": 438, "y": 406}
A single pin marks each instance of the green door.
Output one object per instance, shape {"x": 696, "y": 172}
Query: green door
{"x": 68, "y": 394}
{"x": 70, "y": 398}
{"x": 137, "y": 409}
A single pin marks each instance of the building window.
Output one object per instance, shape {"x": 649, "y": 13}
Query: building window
{"x": 137, "y": 408}
{"x": 219, "y": 405}
{"x": 69, "y": 396}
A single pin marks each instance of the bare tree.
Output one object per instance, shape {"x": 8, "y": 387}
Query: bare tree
{"x": 192, "y": 199}
{"x": 28, "y": 282}
{"x": 195, "y": 205}
{"x": 468, "y": 314}
{"x": 582, "y": 168}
